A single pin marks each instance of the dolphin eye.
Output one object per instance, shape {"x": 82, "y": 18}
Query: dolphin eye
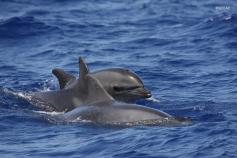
{"x": 116, "y": 88}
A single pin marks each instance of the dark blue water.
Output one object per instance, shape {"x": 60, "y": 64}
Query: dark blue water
{"x": 186, "y": 53}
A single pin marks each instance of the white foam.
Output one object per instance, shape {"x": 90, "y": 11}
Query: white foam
{"x": 18, "y": 94}
{"x": 79, "y": 119}
{"x": 47, "y": 85}
{"x": 154, "y": 99}
{"x": 53, "y": 113}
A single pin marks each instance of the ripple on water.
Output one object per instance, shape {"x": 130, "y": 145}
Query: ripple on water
{"x": 24, "y": 26}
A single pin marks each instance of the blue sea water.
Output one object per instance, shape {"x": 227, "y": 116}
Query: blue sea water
{"x": 185, "y": 52}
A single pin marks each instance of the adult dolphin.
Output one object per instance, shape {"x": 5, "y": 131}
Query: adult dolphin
{"x": 121, "y": 84}
{"x": 100, "y": 107}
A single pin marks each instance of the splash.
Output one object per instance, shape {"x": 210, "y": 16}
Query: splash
{"x": 79, "y": 119}
{"x": 153, "y": 99}
{"x": 53, "y": 113}
{"x": 17, "y": 94}
{"x": 49, "y": 85}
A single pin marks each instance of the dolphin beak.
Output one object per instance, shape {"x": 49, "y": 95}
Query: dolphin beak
{"x": 147, "y": 93}
{"x": 143, "y": 92}
{"x": 135, "y": 93}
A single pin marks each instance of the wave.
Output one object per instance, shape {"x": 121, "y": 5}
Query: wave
{"x": 223, "y": 25}
{"x": 23, "y": 26}
{"x": 15, "y": 93}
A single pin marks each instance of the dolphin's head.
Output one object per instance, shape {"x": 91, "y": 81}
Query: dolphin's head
{"x": 122, "y": 84}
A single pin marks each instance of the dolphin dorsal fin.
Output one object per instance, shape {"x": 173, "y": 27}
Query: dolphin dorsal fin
{"x": 63, "y": 77}
{"x": 83, "y": 68}
{"x": 96, "y": 92}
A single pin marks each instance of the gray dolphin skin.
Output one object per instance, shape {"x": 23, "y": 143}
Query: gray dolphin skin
{"x": 65, "y": 99}
{"x": 88, "y": 100}
{"x": 121, "y": 84}
{"x": 101, "y": 108}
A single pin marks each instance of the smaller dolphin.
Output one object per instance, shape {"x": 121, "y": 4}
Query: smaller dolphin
{"x": 121, "y": 84}
{"x": 98, "y": 106}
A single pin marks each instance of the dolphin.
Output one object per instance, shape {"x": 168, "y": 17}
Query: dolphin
{"x": 64, "y": 99}
{"x": 87, "y": 100}
{"x": 100, "y": 107}
{"x": 121, "y": 84}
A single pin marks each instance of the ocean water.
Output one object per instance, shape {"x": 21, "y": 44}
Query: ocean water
{"x": 185, "y": 52}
